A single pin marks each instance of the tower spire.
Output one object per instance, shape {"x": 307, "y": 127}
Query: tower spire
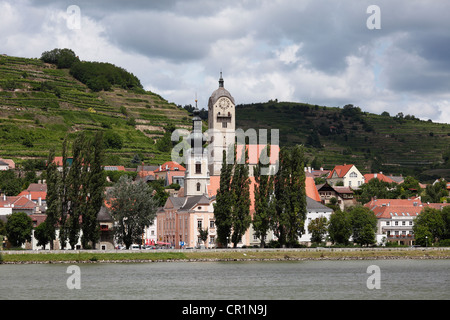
{"x": 221, "y": 80}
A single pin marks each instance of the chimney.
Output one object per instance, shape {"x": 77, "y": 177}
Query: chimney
{"x": 375, "y": 175}
{"x": 40, "y": 201}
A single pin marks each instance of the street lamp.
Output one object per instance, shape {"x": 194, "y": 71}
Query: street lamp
{"x": 426, "y": 241}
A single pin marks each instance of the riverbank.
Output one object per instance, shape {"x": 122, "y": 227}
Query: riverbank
{"x": 117, "y": 256}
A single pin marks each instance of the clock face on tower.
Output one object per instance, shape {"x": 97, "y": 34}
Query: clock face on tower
{"x": 224, "y": 103}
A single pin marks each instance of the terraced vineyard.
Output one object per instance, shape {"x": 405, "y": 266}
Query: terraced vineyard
{"x": 372, "y": 142}
{"x": 40, "y": 104}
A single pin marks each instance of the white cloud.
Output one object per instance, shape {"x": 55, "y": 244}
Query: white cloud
{"x": 318, "y": 52}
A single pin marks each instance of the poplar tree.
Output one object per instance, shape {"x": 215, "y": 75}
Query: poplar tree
{"x": 63, "y": 197}
{"x": 240, "y": 193}
{"x": 53, "y": 204}
{"x": 74, "y": 180}
{"x": 290, "y": 205}
{"x": 264, "y": 201}
{"x": 92, "y": 190}
{"x": 222, "y": 207}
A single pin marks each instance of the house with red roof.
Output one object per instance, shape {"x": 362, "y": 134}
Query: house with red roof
{"x": 395, "y": 218}
{"x": 36, "y": 192}
{"x": 346, "y": 175}
{"x": 171, "y": 172}
{"x": 344, "y": 195}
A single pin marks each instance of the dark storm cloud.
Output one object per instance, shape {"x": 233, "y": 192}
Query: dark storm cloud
{"x": 319, "y": 49}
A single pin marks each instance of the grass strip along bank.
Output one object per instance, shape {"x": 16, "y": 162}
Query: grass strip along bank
{"x": 225, "y": 255}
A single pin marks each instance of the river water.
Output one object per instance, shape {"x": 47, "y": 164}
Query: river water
{"x": 296, "y": 280}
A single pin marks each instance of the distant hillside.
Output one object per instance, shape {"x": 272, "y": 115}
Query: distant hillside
{"x": 398, "y": 144}
{"x": 40, "y": 104}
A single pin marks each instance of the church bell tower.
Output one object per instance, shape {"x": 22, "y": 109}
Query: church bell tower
{"x": 221, "y": 123}
{"x": 196, "y": 179}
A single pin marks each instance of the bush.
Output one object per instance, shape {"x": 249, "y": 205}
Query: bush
{"x": 112, "y": 140}
{"x": 102, "y": 76}
{"x": 444, "y": 243}
{"x": 62, "y": 58}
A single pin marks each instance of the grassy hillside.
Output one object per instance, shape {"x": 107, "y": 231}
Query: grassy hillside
{"x": 373, "y": 142}
{"x": 40, "y": 104}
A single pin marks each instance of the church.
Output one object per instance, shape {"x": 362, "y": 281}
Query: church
{"x": 179, "y": 221}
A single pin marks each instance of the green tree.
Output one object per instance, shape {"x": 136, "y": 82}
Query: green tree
{"x": 290, "y": 206}
{"x": 64, "y": 197}
{"x": 10, "y": 184}
{"x": 377, "y": 188}
{"x": 318, "y": 229}
{"x": 429, "y": 226}
{"x": 62, "y": 58}
{"x": 133, "y": 208}
{"x": 364, "y": 223}
{"x": 19, "y": 228}
{"x": 264, "y": 200}
{"x": 240, "y": 212}
{"x": 446, "y": 218}
{"x": 222, "y": 207}
{"x": 92, "y": 190}
{"x": 203, "y": 234}
{"x": 435, "y": 192}
{"x": 410, "y": 187}
{"x": 112, "y": 140}
{"x": 52, "y": 200}
{"x": 160, "y": 192}
{"x": 75, "y": 182}
{"x": 42, "y": 234}
{"x": 339, "y": 228}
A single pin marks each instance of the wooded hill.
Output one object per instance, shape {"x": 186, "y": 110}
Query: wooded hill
{"x": 397, "y": 144}
{"x": 41, "y": 103}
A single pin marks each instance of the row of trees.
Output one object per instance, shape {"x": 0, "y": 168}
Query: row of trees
{"x": 280, "y": 199}
{"x": 432, "y": 226}
{"x": 74, "y": 195}
{"x": 434, "y": 193}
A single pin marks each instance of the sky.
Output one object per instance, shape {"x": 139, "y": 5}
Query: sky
{"x": 390, "y": 55}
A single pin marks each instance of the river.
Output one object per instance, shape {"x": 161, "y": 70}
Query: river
{"x": 297, "y": 280}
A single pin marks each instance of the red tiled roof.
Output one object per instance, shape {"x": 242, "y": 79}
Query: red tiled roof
{"x": 311, "y": 189}
{"x": 20, "y": 202}
{"x": 35, "y": 195}
{"x": 170, "y": 166}
{"x": 341, "y": 171}
{"x": 387, "y": 212}
{"x": 438, "y": 206}
{"x": 393, "y": 202}
{"x": 254, "y": 152}
{"x": 379, "y": 176}
{"x": 58, "y": 161}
